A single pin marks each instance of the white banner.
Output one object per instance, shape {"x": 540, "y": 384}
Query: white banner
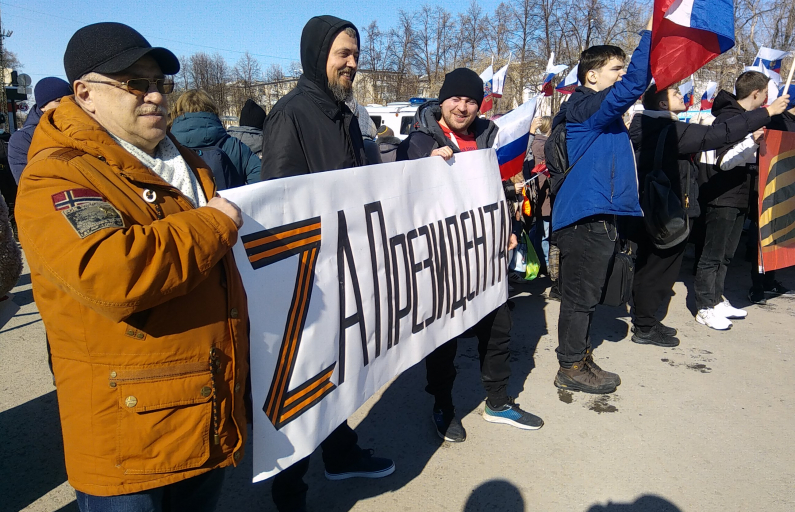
{"x": 414, "y": 251}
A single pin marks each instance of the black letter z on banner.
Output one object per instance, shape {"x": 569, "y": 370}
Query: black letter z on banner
{"x": 265, "y": 248}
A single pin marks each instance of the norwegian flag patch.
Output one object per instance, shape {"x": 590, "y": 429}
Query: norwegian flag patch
{"x": 74, "y": 197}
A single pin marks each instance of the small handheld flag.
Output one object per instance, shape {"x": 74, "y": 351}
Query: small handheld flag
{"x": 709, "y": 96}
{"x": 568, "y": 84}
{"x": 768, "y": 61}
{"x": 498, "y": 81}
{"x": 488, "y": 98}
{"x": 549, "y": 74}
{"x": 686, "y": 89}
{"x": 687, "y": 34}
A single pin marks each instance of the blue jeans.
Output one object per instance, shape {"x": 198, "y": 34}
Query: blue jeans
{"x": 197, "y": 494}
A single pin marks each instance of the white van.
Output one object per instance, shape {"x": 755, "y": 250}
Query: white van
{"x": 398, "y": 115}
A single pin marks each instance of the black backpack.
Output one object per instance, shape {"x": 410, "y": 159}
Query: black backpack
{"x": 557, "y": 157}
{"x": 664, "y": 215}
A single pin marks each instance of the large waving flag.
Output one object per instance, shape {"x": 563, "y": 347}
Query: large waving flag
{"x": 549, "y": 74}
{"x": 498, "y": 81}
{"x": 513, "y": 137}
{"x": 709, "y": 96}
{"x": 769, "y": 62}
{"x": 488, "y": 99}
{"x": 687, "y": 92}
{"x": 686, "y": 35}
{"x": 568, "y": 84}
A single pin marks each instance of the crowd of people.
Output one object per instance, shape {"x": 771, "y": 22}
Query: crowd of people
{"x": 129, "y": 244}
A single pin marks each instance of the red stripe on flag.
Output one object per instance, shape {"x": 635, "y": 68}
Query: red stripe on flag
{"x": 512, "y": 167}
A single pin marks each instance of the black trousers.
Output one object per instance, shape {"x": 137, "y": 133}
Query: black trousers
{"x": 339, "y": 449}
{"x": 586, "y": 249}
{"x": 723, "y": 227}
{"x": 656, "y": 271}
{"x": 493, "y": 333}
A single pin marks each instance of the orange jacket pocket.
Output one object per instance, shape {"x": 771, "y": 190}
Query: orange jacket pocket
{"x": 164, "y": 421}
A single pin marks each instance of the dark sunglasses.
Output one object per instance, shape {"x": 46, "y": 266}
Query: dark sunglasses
{"x": 140, "y": 86}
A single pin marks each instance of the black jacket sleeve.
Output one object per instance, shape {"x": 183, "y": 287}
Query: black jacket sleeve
{"x": 282, "y": 148}
{"x": 695, "y": 137}
{"x": 416, "y": 145}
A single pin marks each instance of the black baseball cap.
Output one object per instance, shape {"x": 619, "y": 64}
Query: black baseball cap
{"x": 109, "y": 48}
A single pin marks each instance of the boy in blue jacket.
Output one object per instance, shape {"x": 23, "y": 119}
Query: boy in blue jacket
{"x": 601, "y": 186}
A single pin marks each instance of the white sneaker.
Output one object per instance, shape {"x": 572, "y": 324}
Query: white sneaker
{"x": 726, "y": 310}
{"x": 710, "y": 318}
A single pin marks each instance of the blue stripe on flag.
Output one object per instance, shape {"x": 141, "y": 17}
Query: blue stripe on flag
{"x": 513, "y": 149}
{"x": 717, "y": 17}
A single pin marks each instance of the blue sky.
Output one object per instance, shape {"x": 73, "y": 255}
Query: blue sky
{"x": 269, "y": 30}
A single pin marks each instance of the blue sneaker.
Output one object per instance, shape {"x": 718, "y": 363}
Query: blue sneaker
{"x": 512, "y": 414}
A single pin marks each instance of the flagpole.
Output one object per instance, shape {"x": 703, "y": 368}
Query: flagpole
{"x": 789, "y": 77}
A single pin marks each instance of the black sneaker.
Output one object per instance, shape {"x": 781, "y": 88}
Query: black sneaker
{"x": 655, "y": 336}
{"x": 554, "y": 292}
{"x": 777, "y": 289}
{"x": 448, "y": 426}
{"x": 668, "y": 331}
{"x": 366, "y": 466}
{"x": 512, "y": 414}
{"x": 757, "y": 297}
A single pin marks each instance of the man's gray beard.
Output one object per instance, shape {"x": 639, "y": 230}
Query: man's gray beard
{"x": 339, "y": 91}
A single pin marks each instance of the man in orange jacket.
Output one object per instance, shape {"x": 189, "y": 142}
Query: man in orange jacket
{"x": 129, "y": 250}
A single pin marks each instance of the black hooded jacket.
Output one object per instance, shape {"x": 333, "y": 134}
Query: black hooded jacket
{"x": 308, "y": 130}
{"x": 731, "y": 187}
{"x": 427, "y": 135}
{"x": 682, "y": 145}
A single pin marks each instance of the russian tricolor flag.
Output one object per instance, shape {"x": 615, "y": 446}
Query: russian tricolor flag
{"x": 709, "y": 96}
{"x": 768, "y": 61}
{"x": 686, "y": 89}
{"x": 513, "y": 137}
{"x": 549, "y": 74}
{"x": 569, "y": 83}
{"x": 488, "y": 99}
{"x": 686, "y": 35}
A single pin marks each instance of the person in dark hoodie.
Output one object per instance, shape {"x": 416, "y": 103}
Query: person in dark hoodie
{"x": 196, "y": 125}
{"x": 725, "y": 192}
{"x": 252, "y": 117}
{"x": 309, "y": 130}
{"x": 48, "y": 93}
{"x": 443, "y": 128}
{"x": 656, "y": 269}
{"x": 764, "y": 284}
{"x": 329, "y": 137}
{"x": 600, "y": 187}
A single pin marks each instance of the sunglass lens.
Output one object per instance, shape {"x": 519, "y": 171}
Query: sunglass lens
{"x": 165, "y": 86}
{"x": 139, "y": 85}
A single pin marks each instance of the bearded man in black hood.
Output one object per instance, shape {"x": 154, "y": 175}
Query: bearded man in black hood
{"x": 309, "y": 130}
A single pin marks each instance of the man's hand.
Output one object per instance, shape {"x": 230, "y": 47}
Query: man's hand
{"x": 758, "y": 134}
{"x": 512, "y": 242}
{"x": 228, "y": 207}
{"x": 778, "y": 106}
{"x": 445, "y": 152}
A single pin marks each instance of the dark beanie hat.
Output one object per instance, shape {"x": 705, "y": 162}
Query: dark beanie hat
{"x": 462, "y": 82}
{"x": 50, "y": 89}
{"x": 109, "y": 48}
{"x": 252, "y": 115}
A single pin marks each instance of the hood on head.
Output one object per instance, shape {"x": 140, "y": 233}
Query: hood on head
{"x": 316, "y": 39}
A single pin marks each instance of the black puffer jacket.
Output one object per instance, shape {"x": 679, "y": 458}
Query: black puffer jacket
{"x": 683, "y": 143}
{"x": 731, "y": 187}
{"x": 308, "y": 130}
{"x": 427, "y": 135}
